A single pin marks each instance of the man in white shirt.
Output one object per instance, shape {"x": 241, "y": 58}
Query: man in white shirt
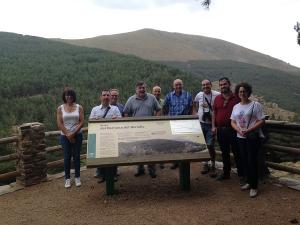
{"x": 204, "y": 102}
{"x": 105, "y": 110}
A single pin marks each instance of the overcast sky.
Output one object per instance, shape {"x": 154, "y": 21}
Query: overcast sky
{"x": 262, "y": 25}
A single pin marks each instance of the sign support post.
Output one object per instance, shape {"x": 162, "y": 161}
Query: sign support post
{"x": 109, "y": 180}
{"x": 184, "y": 174}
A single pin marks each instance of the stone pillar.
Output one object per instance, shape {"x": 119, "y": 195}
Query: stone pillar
{"x": 31, "y": 148}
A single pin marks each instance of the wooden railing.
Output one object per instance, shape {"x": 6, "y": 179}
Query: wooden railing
{"x": 282, "y": 137}
{"x": 277, "y": 128}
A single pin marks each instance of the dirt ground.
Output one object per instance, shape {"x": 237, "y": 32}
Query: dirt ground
{"x": 150, "y": 201}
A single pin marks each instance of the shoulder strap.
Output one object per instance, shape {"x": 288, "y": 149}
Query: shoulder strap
{"x": 209, "y": 103}
{"x": 106, "y": 111}
{"x": 251, "y": 115}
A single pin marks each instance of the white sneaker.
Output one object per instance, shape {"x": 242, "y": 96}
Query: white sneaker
{"x": 253, "y": 193}
{"x": 245, "y": 187}
{"x": 68, "y": 183}
{"x": 77, "y": 181}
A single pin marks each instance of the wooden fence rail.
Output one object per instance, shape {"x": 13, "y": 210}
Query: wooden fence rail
{"x": 270, "y": 127}
{"x": 8, "y": 140}
{"x": 9, "y": 157}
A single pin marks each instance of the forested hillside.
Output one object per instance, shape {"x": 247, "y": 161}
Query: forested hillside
{"x": 274, "y": 85}
{"x": 34, "y": 71}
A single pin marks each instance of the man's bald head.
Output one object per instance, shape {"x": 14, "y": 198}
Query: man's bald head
{"x": 206, "y": 86}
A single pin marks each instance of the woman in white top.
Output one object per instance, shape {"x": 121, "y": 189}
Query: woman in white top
{"x": 70, "y": 121}
{"x": 247, "y": 118}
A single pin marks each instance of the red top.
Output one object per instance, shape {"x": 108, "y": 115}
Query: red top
{"x": 222, "y": 110}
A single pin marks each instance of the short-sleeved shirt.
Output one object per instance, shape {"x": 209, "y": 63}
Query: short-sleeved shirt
{"x": 161, "y": 102}
{"x": 99, "y": 111}
{"x": 203, "y": 106}
{"x": 137, "y": 107}
{"x": 247, "y": 115}
{"x": 178, "y": 104}
{"x": 223, "y": 110}
{"x": 120, "y": 107}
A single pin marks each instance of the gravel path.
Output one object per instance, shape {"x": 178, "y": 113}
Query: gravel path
{"x": 150, "y": 201}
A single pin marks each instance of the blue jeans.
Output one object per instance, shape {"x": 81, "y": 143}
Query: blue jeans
{"x": 71, "y": 149}
{"x": 208, "y": 134}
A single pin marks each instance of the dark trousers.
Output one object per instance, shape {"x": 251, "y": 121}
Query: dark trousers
{"x": 151, "y": 168}
{"x": 101, "y": 171}
{"x": 249, "y": 154}
{"x": 71, "y": 150}
{"x": 228, "y": 141}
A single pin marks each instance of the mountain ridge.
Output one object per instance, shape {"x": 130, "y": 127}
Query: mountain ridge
{"x": 172, "y": 46}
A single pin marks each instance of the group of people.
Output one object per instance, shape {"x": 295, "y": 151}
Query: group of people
{"x": 231, "y": 117}
{"x": 236, "y": 122}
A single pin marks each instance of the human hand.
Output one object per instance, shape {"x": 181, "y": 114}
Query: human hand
{"x": 71, "y": 137}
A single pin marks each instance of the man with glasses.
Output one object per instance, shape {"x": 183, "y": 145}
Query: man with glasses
{"x": 114, "y": 93}
{"x": 105, "y": 110}
{"x": 139, "y": 105}
{"x": 204, "y": 102}
{"x": 178, "y": 102}
{"x": 156, "y": 91}
{"x": 221, "y": 125}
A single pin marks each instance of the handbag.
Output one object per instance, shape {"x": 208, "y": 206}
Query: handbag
{"x": 253, "y": 135}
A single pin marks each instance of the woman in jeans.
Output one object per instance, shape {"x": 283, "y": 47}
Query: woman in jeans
{"x": 70, "y": 121}
{"x": 247, "y": 118}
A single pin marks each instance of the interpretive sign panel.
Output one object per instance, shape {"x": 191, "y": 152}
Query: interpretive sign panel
{"x": 140, "y": 140}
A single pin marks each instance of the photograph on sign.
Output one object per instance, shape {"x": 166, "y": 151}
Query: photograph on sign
{"x": 129, "y": 139}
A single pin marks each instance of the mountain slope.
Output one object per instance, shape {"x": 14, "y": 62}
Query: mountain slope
{"x": 165, "y": 46}
{"x": 34, "y": 71}
{"x": 274, "y": 85}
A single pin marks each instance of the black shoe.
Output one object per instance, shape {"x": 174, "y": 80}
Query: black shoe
{"x": 152, "y": 175}
{"x": 242, "y": 181}
{"x": 101, "y": 180}
{"x": 223, "y": 176}
{"x": 139, "y": 173}
{"x": 174, "y": 166}
{"x": 162, "y": 166}
{"x": 212, "y": 172}
{"x": 205, "y": 169}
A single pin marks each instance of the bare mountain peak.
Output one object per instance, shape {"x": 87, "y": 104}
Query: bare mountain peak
{"x": 170, "y": 46}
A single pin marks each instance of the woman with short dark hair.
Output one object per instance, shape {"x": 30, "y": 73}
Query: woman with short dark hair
{"x": 247, "y": 118}
{"x": 70, "y": 121}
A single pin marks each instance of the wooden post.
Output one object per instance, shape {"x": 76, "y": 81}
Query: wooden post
{"x": 184, "y": 174}
{"x": 109, "y": 180}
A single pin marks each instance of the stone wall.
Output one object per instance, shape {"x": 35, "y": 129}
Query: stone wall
{"x": 31, "y": 148}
